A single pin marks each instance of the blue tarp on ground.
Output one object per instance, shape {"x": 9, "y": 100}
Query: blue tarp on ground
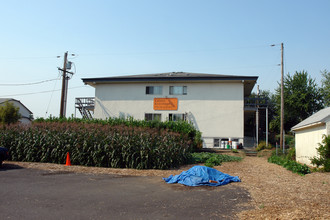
{"x": 201, "y": 176}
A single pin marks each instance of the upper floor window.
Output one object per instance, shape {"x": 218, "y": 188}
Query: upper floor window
{"x": 178, "y": 90}
{"x": 154, "y": 90}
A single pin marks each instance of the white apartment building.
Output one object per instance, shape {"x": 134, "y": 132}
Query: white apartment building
{"x": 214, "y": 104}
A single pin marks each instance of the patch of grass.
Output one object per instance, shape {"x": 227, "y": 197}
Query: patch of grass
{"x": 290, "y": 164}
{"x": 212, "y": 159}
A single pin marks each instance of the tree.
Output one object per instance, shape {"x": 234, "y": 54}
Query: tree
{"x": 302, "y": 98}
{"x": 326, "y": 87}
{"x": 9, "y": 113}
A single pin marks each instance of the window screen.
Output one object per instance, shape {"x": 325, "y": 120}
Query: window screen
{"x": 154, "y": 90}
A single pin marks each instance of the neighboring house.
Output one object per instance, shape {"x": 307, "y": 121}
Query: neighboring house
{"x": 27, "y": 115}
{"x": 214, "y": 104}
{"x": 309, "y": 133}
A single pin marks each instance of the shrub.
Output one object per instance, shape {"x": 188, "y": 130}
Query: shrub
{"x": 324, "y": 154}
{"x": 289, "y": 164}
{"x": 212, "y": 159}
{"x": 291, "y": 153}
{"x": 263, "y": 145}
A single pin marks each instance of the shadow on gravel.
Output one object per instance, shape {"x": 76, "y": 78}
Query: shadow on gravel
{"x": 8, "y": 166}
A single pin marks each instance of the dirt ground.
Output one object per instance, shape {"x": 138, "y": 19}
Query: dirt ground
{"x": 276, "y": 192}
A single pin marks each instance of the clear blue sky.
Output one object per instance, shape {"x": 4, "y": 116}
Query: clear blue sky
{"x": 126, "y": 37}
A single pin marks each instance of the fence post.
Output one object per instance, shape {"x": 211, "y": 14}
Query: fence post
{"x": 283, "y": 141}
{"x": 276, "y": 148}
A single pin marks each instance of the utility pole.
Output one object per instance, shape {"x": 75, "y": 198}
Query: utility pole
{"x": 282, "y": 101}
{"x": 64, "y": 87}
{"x": 257, "y": 117}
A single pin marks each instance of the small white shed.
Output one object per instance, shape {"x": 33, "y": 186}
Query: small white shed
{"x": 309, "y": 133}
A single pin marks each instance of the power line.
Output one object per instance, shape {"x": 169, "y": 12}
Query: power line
{"x": 175, "y": 51}
{"x": 33, "y": 93}
{"x": 27, "y": 58}
{"x": 50, "y": 99}
{"x": 31, "y": 58}
{"x": 28, "y": 84}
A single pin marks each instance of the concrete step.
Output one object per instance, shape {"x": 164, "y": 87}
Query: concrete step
{"x": 251, "y": 153}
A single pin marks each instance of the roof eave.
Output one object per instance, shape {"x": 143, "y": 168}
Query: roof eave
{"x": 312, "y": 125}
{"x": 162, "y": 79}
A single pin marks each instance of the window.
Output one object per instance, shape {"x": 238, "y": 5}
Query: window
{"x": 216, "y": 142}
{"x": 151, "y": 117}
{"x": 177, "y": 117}
{"x": 178, "y": 90}
{"x": 154, "y": 90}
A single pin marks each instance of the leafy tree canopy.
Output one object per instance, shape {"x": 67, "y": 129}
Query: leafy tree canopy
{"x": 326, "y": 87}
{"x": 9, "y": 113}
{"x": 302, "y": 98}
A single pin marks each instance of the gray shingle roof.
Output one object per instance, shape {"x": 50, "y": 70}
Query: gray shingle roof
{"x": 249, "y": 81}
{"x": 168, "y": 76}
{"x": 321, "y": 116}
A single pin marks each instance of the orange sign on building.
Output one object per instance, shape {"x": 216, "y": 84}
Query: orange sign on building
{"x": 165, "y": 104}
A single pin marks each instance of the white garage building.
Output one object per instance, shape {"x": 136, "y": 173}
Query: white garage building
{"x": 213, "y": 103}
{"x": 309, "y": 133}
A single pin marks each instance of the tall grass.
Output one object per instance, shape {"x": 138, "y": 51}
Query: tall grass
{"x": 112, "y": 143}
{"x": 181, "y": 127}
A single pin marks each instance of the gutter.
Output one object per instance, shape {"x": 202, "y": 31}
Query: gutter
{"x": 316, "y": 124}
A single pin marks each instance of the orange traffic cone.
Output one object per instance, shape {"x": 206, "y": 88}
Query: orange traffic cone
{"x": 68, "y": 163}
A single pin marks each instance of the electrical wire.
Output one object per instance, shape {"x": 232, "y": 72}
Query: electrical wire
{"x": 51, "y": 96}
{"x": 176, "y": 51}
{"x": 28, "y": 84}
{"x": 27, "y": 58}
{"x": 33, "y": 93}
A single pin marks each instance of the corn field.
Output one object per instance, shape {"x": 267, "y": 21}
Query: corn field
{"x": 99, "y": 143}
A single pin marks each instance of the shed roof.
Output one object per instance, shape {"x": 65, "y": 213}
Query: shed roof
{"x": 2, "y": 100}
{"x": 5, "y": 99}
{"x": 319, "y": 117}
{"x": 249, "y": 81}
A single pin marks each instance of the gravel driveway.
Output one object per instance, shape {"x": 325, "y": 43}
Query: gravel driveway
{"x": 275, "y": 191}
